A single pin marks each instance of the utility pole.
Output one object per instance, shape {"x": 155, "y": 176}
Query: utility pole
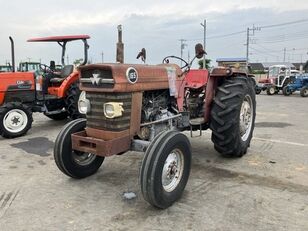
{"x": 102, "y": 56}
{"x": 284, "y": 54}
{"x": 253, "y": 29}
{"x": 204, "y": 37}
{"x": 183, "y": 45}
{"x": 120, "y": 46}
{"x": 247, "y": 48}
{"x": 301, "y": 58}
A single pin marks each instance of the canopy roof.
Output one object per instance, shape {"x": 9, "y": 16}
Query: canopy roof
{"x": 66, "y": 38}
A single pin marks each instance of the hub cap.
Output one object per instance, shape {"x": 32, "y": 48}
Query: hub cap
{"x": 246, "y": 116}
{"x": 83, "y": 158}
{"x": 173, "y": 170}
{"x": 15, "y": 120}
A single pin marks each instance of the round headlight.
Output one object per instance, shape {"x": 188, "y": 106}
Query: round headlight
{"x": 83, "y": 103}
{"x": 109, "y": 110}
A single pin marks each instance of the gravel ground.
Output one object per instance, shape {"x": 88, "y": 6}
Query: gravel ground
{"x": 265, "y": 190}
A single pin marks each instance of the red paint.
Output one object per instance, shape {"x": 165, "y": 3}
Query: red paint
{"x": 66, "y": 38}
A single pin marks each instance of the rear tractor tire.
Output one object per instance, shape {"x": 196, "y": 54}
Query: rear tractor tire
{"x": 75, "y": 164}
{"x": 165, "y": 169}
{"x": 71, "y": 101}
{"x": 233, "y": 117}
{"x": 15, "y": 120}
{"x": 304, "y": 91}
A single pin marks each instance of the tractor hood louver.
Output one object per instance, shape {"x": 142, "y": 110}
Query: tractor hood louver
{"x": 97, "y": 78}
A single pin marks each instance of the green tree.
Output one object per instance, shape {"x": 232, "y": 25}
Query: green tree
{"x": 207, "y": 63}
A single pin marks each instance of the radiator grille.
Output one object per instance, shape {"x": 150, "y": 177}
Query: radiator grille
{"x": 105, "y": 75}
{"x": 96, "y": 118}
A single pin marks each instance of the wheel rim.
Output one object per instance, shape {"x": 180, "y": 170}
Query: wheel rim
{"x": 173, "y": 170}
{"x": 83, "y": 158}
{"x": 15, "y": 120}
{"x": 306, "y": 92}
{"x": 272, "y": 90}
{"x": 246, "y": 115}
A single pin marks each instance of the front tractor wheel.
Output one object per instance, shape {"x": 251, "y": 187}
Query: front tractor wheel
{"x": 165, "y": 169}
{"x": 271, "y": 90}
{"x": 286, "y": 91}
{"x": 16, "y": 119}
{"x": 304, "y": 91}
{"x": 233, "y": 117}
{"x": 71, "y": 162}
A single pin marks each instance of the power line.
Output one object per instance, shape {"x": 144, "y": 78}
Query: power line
{"x": 244, "y": 31}
{"x": 284, "y": 24}
{"x": 227, "y": 35}
{"x": 286, "y": 40}
{"x": 262, "y": 52}
{"x": 280, "y": 37}
{"x": 268, "y": 49}
{"x": 219, "y": 36}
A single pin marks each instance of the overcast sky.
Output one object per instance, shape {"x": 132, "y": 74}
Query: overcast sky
{"x": 156, "y": 25}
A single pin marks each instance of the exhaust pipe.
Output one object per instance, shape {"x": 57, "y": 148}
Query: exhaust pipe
{"x": 120, "y": 46}
{"x": 12, "y": 53}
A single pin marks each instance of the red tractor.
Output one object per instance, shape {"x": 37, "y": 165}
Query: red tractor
{"x": 144, "y": 108}
{"x": 53, "y": 93}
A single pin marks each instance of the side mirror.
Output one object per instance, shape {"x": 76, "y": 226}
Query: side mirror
{"x": 199, "y": 51}
{"x": 142, "y": 54}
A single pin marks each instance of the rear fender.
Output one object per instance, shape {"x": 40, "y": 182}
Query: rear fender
{"x": 61, "y": 91}
{"x": 216, "y": 75}
{"x": 16, "y": 83}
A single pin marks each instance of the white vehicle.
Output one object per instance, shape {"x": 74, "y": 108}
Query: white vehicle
{"x": 278, "y": 77}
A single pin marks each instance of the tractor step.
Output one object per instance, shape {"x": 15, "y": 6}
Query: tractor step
{"x": 54, "y": 112}
{"x": 198, "y": 123}
{"x": 46, "y": 97}
{"x": 49, "y": 97}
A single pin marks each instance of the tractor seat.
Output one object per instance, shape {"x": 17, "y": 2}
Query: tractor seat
{"x": 65, "y": 72}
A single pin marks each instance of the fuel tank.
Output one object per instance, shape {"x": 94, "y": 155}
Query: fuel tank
{"x": 128, "y": 77}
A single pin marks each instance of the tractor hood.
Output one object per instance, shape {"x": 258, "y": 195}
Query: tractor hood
{"x": 127, "y": 77}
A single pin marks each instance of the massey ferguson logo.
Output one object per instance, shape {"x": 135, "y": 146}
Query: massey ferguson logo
{"x": 95, "y": 79}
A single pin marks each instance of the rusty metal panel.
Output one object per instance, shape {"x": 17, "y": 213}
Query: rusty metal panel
{"x": 104, "y": 134}
{"x": 81, "y": 142}
{"x": 150, "y": 77}
{"x": 136, "y": 113}
{"x": 225, "y": 71}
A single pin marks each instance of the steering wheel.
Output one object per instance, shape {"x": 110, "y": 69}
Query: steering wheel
{"x": 166, "y": 60}
{"x": 46, "y": 69}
